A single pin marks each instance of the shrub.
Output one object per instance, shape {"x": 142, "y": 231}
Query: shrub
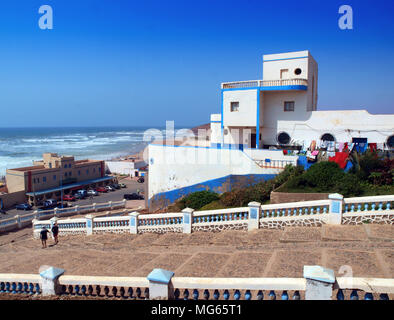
{"x": 349, "y": 185}
{"x": 323, "y": 176}
{"x": 197, "y": 200}
{"x": 214, "y": 205}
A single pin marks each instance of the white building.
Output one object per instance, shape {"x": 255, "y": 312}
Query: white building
{"x": 281, "y": 110}
{"x": 277, "y": 112}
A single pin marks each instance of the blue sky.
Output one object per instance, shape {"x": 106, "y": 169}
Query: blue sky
{"x": 114, "y": 62}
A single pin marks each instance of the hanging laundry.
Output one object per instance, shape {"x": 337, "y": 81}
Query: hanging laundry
{"x": 372, "y": 146}
{"x": 341, "y": 146}
{"x": 313, "y": 145}
{"x": 284, "y": 151}
{"x": 315, "y": 153}
{"x": 380, "y": 146}
{"x": 340, "y": 158}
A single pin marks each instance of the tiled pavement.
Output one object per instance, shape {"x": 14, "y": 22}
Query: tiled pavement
{"x": 367, "y": 249}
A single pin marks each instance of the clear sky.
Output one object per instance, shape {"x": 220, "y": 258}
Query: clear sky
{"x": 124, "y": 62}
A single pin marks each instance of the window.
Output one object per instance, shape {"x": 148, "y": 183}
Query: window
{"x": 65, "y": 165}
{"x": 289, "y": 106}
{"x": 297, "y": 71}
{"x": 69, "y": 174}
{"x": 87, "y": 171}
{"x": 79, "y": 172}
{"x": 100, "y": 169}
{"x": 44, "y": 179}
{"x": 94, "y": 169}
{"x": 65, "y": 174}
{"x": 327, "y": 137}
{"x": 234, "y": 106}
{"x": 69, "y": 165}
{"x": 283, "y": 138}
{"x": 54, "y": 177}
{"x": 50, "y": 165}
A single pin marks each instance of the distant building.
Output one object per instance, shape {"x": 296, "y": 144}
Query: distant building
{"x": 47, "y": 178}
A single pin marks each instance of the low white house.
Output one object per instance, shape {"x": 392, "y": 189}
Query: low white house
{"x": 130, "y": 167}
{"x": 277, "y": 112}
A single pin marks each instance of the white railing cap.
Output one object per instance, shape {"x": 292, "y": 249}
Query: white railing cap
{"x": 335, "y": 196}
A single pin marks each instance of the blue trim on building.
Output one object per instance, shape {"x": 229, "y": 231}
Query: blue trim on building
{"x": 216, "y": 121}
{"x": 219, "y": 185}
{"x": 273, "y": 88}
{"x": 285, "y": 59}
{"x": 258, "y": 120}
{"x": 216, "y": 145}
{"x": 221, "y": 118}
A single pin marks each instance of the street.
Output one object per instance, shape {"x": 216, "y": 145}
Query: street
{"x": 117, "y": 195}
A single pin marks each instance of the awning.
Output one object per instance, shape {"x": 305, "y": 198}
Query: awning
{"x": 69, "y": 186}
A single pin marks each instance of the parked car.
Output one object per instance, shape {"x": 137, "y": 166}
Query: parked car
{"x": 133, "y": 196}
{"x": 3, "y": 211}
{"x": 23, "y": 206}
{"x": 109, "y": 188}
{"x": 101, "y": 189}
{"x": 81, "y": 194}
{"x": 115, "y": 186}
{"x": 122, "y": 185}
{"x": 141, "y": 180}
{"x": 92, "y": 192}
{"x": 64, "y": 205}
{"x": 68, "y": 197}
{"x": 49, "y": 204}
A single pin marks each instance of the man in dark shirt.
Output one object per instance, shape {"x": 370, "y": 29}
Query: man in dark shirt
{"x": 44, "y": 236}
{"x": 55, "y": 232}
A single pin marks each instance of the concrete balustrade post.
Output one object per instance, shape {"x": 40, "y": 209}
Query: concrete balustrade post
{"x": 319, "y": 283}
{"x": 94, "y": 207}
{"x": 254, "y": 215}
{"x": 54, "y": 212}
{"x": 133, "y": 222}
{"x": 335, "y": 210}
{"x": 187, "y": 220}
{"x": 124, "y": 203}
{"x": 18, "y": 220}
{"x": 110, "y": 204}
{"x": 160, "y": 286}
{"x": 76, "y": 208}
{"x": 50, "y": 281}
{"x": 89, "y": 224}
{"x": 35, "y": 214}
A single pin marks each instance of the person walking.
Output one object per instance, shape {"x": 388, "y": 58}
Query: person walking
{"x": 44, "y": 236}
{"x": 55, "y": 232}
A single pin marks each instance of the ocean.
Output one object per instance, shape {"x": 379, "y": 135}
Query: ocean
{"x": 20, "y": 146}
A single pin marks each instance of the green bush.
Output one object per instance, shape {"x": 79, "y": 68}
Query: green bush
{"x": 197, "y": 200}
{"x": 349, "y": 185}
{"x": 214, "y": 205}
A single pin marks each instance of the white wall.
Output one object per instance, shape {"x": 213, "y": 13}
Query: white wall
{"x": 124, "y": 167}
{"x": 177, "y": 167}
{"x": 247, "y": 114}
{"x": 216, "y": 132}
{"x": 343, "y": 125}
{"x": 271, "y": 69}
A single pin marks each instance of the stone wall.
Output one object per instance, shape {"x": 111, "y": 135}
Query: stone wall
{"x": 283, "y": 197}
{"x": 13, "y": 198}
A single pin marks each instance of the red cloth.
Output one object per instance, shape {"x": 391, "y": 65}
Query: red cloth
{"x": 284, "y": 151}
{"x": 340, "y": 158}
{"x": 372, "y": 146}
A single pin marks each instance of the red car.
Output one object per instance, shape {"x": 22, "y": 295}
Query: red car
{"x": 101, "y": 189}
{"x": 68, "y": 197}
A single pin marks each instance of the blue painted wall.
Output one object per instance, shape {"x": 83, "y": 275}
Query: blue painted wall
{"x": 219, "y": 185}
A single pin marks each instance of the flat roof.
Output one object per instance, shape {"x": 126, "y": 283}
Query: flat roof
{"x": 69, "y": 186}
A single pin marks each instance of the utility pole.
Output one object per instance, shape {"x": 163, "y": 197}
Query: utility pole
{"x": 61, "y": 189}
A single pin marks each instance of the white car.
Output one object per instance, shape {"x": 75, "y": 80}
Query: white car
{"x": 109, "y": 188}
{"x": 92, "y": 192}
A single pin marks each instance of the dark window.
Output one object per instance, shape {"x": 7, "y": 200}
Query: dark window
{"x": 283, "y": 138}
{"x": 234, "y": 106}
{"x": 99, "y": 169}
{"x": 79, "y": 172}
{"x": 69, "y": 165}
{"x": 44, "y": 179}
{"x": 54, "y": 177}
{"x": 327, "y": 137}
{"x": 390, "y": 141}
{"x": 297, "y": 71}
{"x": 87, "y": 171}
{"x": 289, "y": 106}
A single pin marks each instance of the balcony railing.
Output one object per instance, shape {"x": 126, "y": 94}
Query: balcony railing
{"x": 264, "y": 83}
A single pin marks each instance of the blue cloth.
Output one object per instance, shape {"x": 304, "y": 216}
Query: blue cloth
{"x": 361, "y": 147}
{"x": 349, "y": 165}
{"x": 303, "y": 161}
